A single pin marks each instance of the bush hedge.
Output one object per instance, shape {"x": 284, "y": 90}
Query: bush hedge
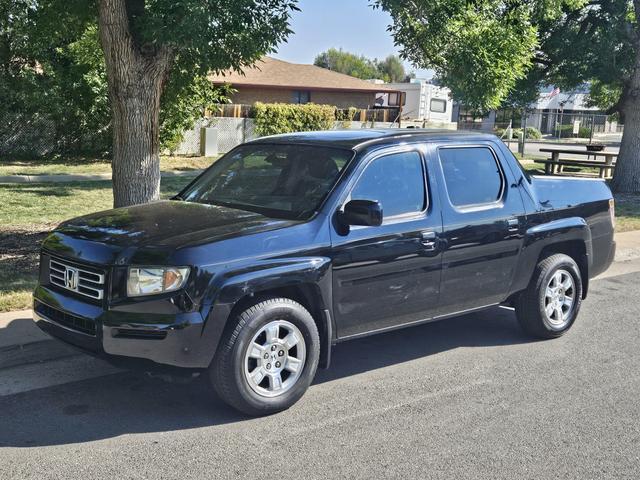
{"x": 274, "y": 118}
{"x": 532, "y": 133}
{"x": 566, "y": 131}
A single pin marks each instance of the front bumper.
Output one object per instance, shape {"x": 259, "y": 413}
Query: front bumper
{"x": 129, "y": 336}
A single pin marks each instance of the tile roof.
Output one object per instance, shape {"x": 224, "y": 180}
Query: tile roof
{"x": 270, "y": 72}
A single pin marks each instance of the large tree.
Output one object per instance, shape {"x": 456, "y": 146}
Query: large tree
{"x": 145, "y": 41}
{"x": 390, "y": 69}
{"x": 348, "y": 63}
{"x": 153, "y": 53}
{"x": 492, "y": 51}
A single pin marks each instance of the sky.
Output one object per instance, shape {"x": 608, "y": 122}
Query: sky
{"x": 348, "y": 24}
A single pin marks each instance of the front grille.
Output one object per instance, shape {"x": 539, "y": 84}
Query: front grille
{"x": 140, "y": 334}
{"x": 76, "y": 279}
{"x": 83, "y": 325}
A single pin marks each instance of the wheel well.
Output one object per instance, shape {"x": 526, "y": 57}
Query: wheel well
{"x": 575, "y": 249}
{"x": 306, "y": 295}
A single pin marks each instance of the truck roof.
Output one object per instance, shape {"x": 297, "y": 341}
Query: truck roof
{"x": 355, "y": 139}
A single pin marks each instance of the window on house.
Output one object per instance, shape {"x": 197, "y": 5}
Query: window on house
{"x": 469, "y": 116}
{"x": 301, "y": 96}
{"x": 394, "y": 99}
{"x": 438, "y": 105}
{"x": 472, "y": 175}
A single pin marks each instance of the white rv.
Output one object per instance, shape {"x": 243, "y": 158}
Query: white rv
{"x": 423, "y": 102}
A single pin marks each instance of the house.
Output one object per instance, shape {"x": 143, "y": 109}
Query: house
{"x": 552, "y": 109}
{"x": 277, "y": 81}
{"x": 424, "y": 101}
{"x": 555, "y": 107}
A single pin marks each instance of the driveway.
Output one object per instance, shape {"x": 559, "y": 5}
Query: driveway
{"x": 469, "y": 397}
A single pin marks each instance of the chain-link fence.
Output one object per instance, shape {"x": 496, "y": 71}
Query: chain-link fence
{"x": 231, "y": 132}
{"x": 553, "y": 125}
{"x": 585, "y": 125}
{"x": 41, "y": 135}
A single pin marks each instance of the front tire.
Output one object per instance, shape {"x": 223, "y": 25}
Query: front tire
{"x": 267, "y": 357}
{"x": 550, "y": 305}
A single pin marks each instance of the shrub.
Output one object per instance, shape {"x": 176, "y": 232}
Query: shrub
{"x": 274, "y": 118}
{"x": 532, "y": 133}
{"x": 566, "y": 131}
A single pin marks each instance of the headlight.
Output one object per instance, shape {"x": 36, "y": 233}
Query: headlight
{"x": 153, "y": 280}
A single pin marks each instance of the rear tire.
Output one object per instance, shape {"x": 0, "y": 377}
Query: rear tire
{"x": 267, "y": 357}
{"x": 550, "y": 305}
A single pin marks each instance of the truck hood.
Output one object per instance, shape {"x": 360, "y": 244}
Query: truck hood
{"x": 101, "y": 237}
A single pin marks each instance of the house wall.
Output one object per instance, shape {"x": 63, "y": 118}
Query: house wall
{"x": 344, "y": 99}
{"x": 251, "y": 95}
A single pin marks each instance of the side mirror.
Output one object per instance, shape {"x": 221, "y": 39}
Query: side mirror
{"x": 362, "y": 212}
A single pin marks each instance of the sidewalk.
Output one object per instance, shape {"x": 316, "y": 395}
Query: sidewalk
{"x": 83, "y": 177}
{"x": 627, "y": 246}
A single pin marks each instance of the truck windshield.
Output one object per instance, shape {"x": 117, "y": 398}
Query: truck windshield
{"x": 289, "y": 181}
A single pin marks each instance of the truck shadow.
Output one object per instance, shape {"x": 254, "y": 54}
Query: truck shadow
{"x": 130, "y": 403}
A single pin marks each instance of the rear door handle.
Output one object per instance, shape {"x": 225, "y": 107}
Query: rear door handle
{"x": 514, "y": 224}
{"x": 429, "y": 240}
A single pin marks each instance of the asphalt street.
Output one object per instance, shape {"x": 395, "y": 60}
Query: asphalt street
{"x": 469, "y": 397}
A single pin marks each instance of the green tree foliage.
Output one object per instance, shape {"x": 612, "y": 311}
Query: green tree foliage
{"x": 495, "y": 52}
{"x": 60, "y": 75}
{"x": 348, "y": 63}
{"x": 184, "y": 103}
{"x": 391, "y": 69}
{"x": 275, "y": 118}
{"x": 477, "y": 49}
{"x": 134, "y": 70}
{"x": 49, "y": 73}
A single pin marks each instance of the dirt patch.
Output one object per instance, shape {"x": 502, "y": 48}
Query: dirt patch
{"x": 19, "y": 253}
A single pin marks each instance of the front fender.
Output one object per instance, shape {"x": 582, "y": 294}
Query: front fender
{"x": 545, "y": 235}
{"x": 229, "y": 287}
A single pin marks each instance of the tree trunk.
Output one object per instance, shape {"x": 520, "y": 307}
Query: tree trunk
{"x": 626, "y": 177}
{"x": 136, "y": 79}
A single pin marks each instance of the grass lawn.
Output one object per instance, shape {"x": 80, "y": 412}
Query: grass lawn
{"x": 77, "y": 166}
{"x": 29, "y": 211}
{"x": 627, "y": 212}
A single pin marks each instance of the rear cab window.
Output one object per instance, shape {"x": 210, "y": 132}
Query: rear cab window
{"x": 472, "y": 174}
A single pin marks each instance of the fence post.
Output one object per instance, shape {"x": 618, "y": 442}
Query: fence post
{"x": 524, "y": 133}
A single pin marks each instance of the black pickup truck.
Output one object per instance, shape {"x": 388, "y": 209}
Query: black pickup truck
{"x": 289, "y": 244}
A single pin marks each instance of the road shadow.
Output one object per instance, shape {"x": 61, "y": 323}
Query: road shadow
{"x": 129, "y": 403}
{"x": 493, "y": 327}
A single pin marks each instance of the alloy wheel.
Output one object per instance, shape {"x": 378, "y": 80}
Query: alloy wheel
{"x": 274, "y": 359}
{"x": 559, "y": 299}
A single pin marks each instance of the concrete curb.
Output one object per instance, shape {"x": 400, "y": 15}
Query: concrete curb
{"x": 83, "y": 178}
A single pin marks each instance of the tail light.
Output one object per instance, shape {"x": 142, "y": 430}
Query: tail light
{"x": 612, "y": 212}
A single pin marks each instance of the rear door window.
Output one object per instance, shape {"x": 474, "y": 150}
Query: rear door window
{"x": 472, "y": 175}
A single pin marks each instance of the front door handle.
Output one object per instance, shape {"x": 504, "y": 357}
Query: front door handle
{"x": 429, "y": 240}
{"x": 514, "y": 224}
